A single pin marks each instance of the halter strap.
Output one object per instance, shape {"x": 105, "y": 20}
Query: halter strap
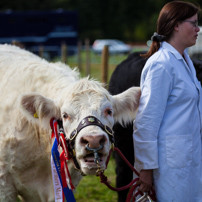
{"x": 91, "y": 120}
{"x": 87, "y": 121}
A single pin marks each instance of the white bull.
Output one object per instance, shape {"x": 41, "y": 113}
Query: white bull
{"x": 29, "y": 85}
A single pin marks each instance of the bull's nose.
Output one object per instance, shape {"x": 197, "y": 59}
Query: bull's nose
{"x": 94, "y": 141}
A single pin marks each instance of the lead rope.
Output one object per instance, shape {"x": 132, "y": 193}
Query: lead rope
{"x": 132, "y": 185}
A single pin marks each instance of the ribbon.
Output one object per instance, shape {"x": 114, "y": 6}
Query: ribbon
{"x": 56, "y": 182}
{"x": 64, "y": 157}
{"x": 60, "y": 161}
{"x": 55, "y": 164}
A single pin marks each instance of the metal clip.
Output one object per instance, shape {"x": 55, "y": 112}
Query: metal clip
{"x": 99, "y": 170}
{"x": 95, "y": 152}
{"x": 145, "y": 198}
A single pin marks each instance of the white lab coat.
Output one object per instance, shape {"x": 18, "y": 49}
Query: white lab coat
{"x": 167, "y": 129}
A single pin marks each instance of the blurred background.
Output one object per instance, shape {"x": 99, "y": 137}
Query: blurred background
{"x": 75, "y": 32}
{"x": 127, "y": 20}
{"x": 47, "y": 24}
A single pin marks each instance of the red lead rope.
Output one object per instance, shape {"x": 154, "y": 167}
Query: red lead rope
{"x": 132, "y": 185}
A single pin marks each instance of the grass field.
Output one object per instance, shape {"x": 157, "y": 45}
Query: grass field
{"x": 90, "y": 188}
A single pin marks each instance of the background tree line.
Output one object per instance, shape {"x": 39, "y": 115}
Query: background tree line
{"x": 128, "y": 20}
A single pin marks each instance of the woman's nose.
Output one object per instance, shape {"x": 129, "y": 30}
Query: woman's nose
{"x": 197, "y": 29}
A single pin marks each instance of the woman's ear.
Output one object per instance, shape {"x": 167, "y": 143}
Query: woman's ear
{"x": 177, "y": 26}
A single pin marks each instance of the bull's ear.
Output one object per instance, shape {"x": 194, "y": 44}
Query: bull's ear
{"x": 125, "y": 105}
{"x": 38, "y": 109}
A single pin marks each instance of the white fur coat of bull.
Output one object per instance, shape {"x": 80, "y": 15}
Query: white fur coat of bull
{"x": 29, "y": 84}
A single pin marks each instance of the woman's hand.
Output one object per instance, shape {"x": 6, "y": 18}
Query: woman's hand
{"x": 145, "y": 180}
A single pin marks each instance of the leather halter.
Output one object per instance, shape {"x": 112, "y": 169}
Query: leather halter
{"x": 88, "y": 121}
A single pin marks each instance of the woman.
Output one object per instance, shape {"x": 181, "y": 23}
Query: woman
{"x": 167, "y": 129}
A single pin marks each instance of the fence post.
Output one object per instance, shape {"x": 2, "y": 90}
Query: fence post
{"x": 41, "y": 50}
{"x": 87, "y": 48}
{"x": 104, "y": 64}
{"x": 64, "y": 53}
{"x": 79, "y": 55}
{"x": 18, "y": 43}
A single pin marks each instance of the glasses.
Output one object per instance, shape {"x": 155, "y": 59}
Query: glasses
{"x": 194, "y": 23}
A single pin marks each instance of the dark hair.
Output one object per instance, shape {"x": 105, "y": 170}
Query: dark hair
{"x": 172, "y": 13}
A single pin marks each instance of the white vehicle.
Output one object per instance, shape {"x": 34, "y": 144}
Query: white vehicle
{"x": 115, "y": 46}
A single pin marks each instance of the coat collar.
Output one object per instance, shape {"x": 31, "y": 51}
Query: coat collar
{"x": 186, "y": 60}
{"x": 172, "y": 50}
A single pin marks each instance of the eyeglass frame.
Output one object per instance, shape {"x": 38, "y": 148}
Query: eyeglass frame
{"x": 194, "y": 23}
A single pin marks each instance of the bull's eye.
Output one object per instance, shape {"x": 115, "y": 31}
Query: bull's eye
{"x": 108, "y": 112}
{"x": 65, "y": 115}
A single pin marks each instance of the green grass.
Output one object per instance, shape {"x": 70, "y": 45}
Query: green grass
{"x": 90, "y": 189}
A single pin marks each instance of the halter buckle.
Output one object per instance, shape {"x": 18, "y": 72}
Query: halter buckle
{"x": 108, "y": 130}
{"x": 73, "y": 134}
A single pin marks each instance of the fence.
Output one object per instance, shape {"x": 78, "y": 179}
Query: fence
{"x": 104, "y": 58}
{"x": 85, "y": 58}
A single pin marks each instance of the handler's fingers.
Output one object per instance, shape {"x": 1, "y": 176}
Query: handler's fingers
{"x": 144, "y": 188}
{"x": 145, "y": 180}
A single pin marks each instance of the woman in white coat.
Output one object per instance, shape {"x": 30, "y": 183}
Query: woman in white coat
{"x": 167, "y": 129}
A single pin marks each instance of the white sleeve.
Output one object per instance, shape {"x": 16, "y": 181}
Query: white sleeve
{"x": 156, "y": 85}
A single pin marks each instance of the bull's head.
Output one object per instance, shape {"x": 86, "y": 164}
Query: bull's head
{"x": 83, "y": 99}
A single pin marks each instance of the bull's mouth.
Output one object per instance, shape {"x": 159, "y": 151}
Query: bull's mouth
{"x": 88, "y": 163}
{"x": 90, "y": 159}
{"x": 93, "y": 159}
